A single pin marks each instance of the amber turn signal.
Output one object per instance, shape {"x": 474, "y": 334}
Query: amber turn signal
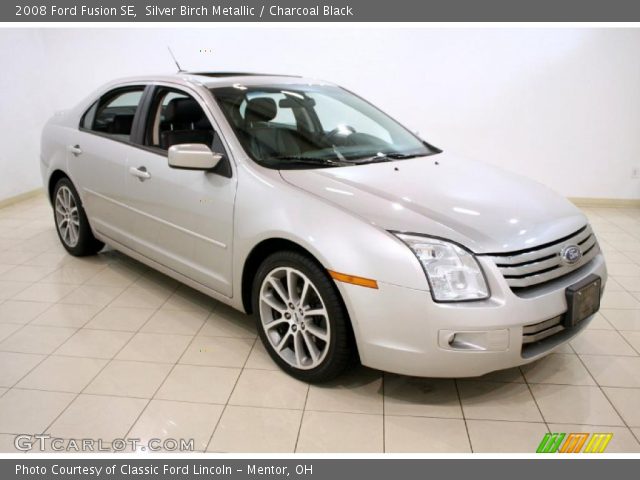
{"x": 345, "y": 278}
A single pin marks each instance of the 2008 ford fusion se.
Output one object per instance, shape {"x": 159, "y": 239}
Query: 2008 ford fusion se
{"x": 342, "y": 232}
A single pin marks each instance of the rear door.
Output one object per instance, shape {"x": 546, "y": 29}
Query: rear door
{"x": 98, "y": 159}
{"x": 183, "y": 218}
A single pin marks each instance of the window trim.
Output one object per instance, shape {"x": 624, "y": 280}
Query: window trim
{"x": 225, "y": 168}
{"x": 84, "y": 115}
{"x": 137, "y": 115}
{"x": 152, "y": 107}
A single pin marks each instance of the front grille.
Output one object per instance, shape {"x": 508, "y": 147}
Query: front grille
{"x": 532, "y": 267}
{"x": 540, "y": 331}
{"x": 543, "y": 336}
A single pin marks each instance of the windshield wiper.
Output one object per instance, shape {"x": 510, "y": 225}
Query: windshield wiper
{"x": 401, "y": 156}
{"x": 387, "y": 157}
{"x": 293, "y": 160}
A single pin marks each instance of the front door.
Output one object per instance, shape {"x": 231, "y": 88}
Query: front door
{"x": 183, "y": 218}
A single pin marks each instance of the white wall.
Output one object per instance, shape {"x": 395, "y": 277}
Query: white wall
{"x": 24, "y": 107}
{"x": 559, "y": 105}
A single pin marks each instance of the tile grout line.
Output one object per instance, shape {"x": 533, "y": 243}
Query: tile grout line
{"x": 263, "y": 369}
{"x": 224, "y": 409}
{"x": 41, "y": 234}
{"x": 320, "y": 410}
{"x": 47, "y": 356}
{"x": 464, "y": 416}
{"x": 384, "y": 414}
{"x": 604, "y": 394}
{"x": 76, "y": 286}
{"x": 276, "y": 409}
{"x": 626, "y": 340}
{"x": 144, "y": 409}
{"x": 84, "y": 327}
{"x": 304, "y": 410}
{"x": 99, "y": 372}
{"x": 526, "y": 382}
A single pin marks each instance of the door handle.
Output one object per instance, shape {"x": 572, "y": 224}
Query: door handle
{"x": 75, "y": 150}
{"x": 140, "y": 172}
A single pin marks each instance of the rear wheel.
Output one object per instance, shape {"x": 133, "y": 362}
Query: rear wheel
{"x": 301, "y": 319}
{"x": 71, "y": 221}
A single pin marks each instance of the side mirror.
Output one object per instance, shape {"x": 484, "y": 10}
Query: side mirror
{"x": 193, "y": 156}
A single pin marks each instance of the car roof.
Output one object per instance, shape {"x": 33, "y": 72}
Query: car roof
{"x": 224, "y": 79}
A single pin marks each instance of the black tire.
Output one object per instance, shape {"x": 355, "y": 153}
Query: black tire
{"x": 86, "y": 244}
{"x": 340, "y": 350}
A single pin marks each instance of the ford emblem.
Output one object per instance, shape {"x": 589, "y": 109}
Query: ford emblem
{"x": 571, "y": 254}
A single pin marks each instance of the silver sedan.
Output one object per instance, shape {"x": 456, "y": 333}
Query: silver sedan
{"x": 346, "y": 235}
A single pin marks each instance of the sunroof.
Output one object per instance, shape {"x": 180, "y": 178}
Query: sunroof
{"x": 236, "y": 74}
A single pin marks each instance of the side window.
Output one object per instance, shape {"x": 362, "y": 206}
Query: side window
{"x": 113, "y": 114}
{"x": 177, "y": 118}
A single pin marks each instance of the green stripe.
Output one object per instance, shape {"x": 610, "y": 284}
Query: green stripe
{"x": 558, "y": 437}
{"x": 550, "y": 443}
{"x": 543, "y": 443}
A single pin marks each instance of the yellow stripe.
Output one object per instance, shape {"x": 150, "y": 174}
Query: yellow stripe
{"x": 598, "y": 442}
{"x": 607, "y": 439}
{"x": 596, "y": 445}
{"x": 354, "y": 280}
{"x": 590, "y": 444}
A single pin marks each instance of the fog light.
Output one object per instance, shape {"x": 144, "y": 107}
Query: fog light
{"x": 479, "y": 341}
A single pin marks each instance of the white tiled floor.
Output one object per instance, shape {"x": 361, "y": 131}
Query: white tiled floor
{"x": 104, "y": 347}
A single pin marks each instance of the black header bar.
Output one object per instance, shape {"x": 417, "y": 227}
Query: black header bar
{"x": 319, "y": 11}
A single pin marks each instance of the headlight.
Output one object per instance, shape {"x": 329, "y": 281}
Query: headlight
{"x": 453, "y": 273}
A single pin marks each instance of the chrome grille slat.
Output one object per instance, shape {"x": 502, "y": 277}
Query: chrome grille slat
{"x": 533, "y": 255}
{"x": 536, "y": 337}
{"x": 538, "y": 327}
{"x": 533, "y": 267}
{"x": 588, "y": 243}
{"x": 539, "y": 331}
{"x": 553, "y": 274}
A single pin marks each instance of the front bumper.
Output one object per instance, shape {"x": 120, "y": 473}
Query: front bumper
{"x": 404, "y": 331}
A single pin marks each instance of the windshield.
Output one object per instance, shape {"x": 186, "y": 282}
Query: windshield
{"x": 311, "y": 126}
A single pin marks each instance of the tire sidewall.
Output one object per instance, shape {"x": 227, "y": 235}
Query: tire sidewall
{"x": 85, "y": 236}
{"x": 332, "y": 363}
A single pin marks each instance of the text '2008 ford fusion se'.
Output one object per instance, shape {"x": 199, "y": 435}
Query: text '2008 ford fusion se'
{"x": 342, "y": 232}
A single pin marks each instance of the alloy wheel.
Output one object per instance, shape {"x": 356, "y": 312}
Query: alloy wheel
{"x": 67, "y": 216}
{"x": 294, "y": 318}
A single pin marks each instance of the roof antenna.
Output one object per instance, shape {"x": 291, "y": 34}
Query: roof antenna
{"x": 180, "y": 70}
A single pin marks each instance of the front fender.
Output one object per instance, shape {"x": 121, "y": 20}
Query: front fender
{"x": 268, "y": 207}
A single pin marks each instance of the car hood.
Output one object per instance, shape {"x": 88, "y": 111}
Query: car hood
{"x": 477, "y": 205}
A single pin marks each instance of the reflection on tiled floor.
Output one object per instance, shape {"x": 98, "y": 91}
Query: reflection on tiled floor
{"x": 103, "y": 347}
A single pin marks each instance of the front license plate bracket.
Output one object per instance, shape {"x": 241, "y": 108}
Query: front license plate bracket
{"x": 583, "y": 300}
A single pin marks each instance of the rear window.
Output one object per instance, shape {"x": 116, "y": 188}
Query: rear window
{"x": 113, "y": 114}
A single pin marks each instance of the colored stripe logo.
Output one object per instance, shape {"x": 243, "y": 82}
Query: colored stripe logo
{"x": 598, "y": 442}
{"x": 574, "y": 443}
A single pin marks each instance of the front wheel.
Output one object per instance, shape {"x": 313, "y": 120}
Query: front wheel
{"x": 301, "y": 319}
{"x": 72, "y": 224}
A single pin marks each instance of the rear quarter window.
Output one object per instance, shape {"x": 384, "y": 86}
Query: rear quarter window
{"x": 114, "y": 112}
